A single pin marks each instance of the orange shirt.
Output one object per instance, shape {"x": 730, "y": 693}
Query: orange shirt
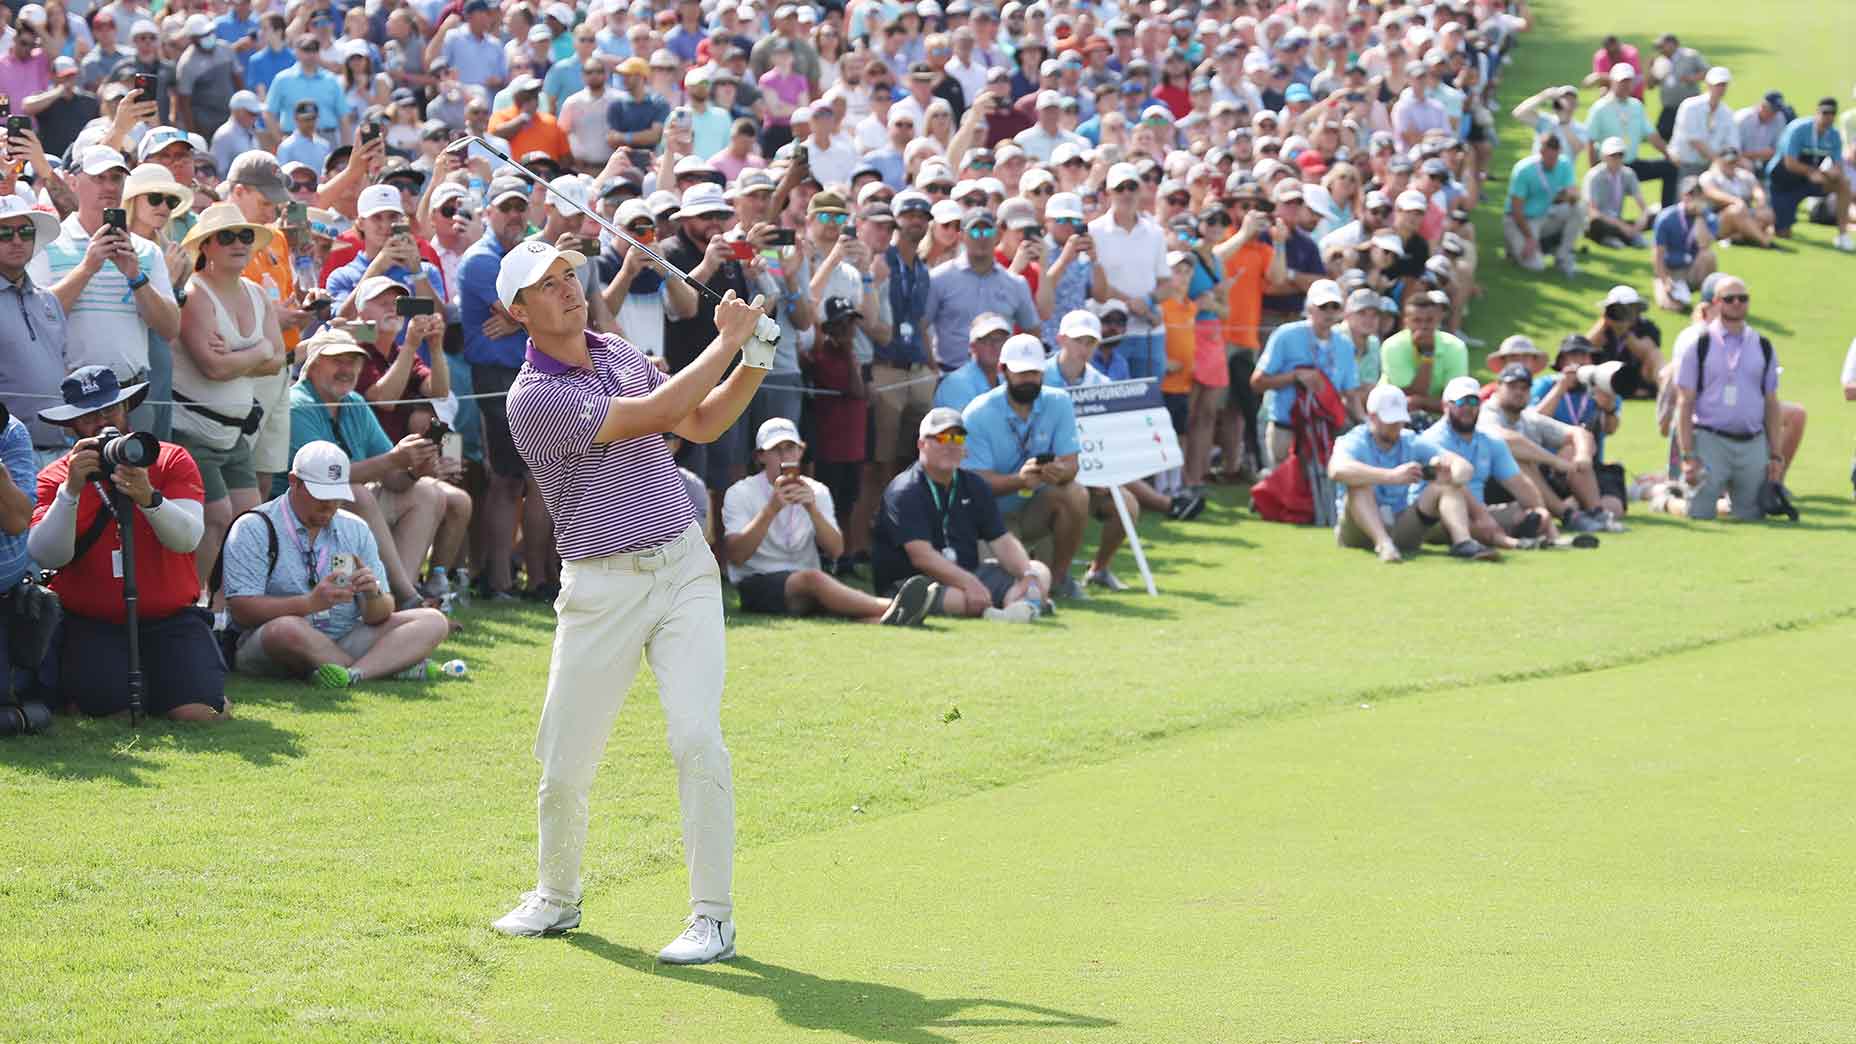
{"x": 1181, "y": 340}
{"x": 269, "y": 267}
{"x": 1244, "y": 273}
{"x": 542, "y": 134}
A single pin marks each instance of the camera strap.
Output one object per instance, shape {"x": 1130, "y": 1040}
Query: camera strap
{"x": 88, "y": 539}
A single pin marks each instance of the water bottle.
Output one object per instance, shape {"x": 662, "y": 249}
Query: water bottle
{"x": 1034, "y": 598}
{"x": 460, "y": 588}
{"x": 455, "y": 668}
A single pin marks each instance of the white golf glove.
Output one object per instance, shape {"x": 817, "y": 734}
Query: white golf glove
{"x": 758, "y": 351}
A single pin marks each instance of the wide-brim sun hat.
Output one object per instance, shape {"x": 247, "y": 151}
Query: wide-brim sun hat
{"x": 223, "y": 217}
{"x": 153, "y": 179}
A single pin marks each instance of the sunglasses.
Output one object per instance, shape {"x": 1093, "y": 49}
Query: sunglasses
{"x": 942, "y": 188}
{"x": 1467, "y": 401}
{"x": 448, "y": 211}
{"x": 1331, "y": 306}
{"x": 1073, "y": 222}
{"x": 1126, "y": 186}
{"x": 163, "y": 200}
{"x": 25, "y": 233}
{"x": 642, "y": 232}
{"x": 310, "y": 47}
{"x": 833, "y": 219}
{"x": 228, "y": 236}
{"x": 1734, "y": 298}
{"x": 1153, "y": 178}
{"x": 302, "y": 186}
{"x": 1381, "y": 211}
{"x": 1215, "y": 220}
{"x": 1270, "y": 150}
{"x": 949, "y": 438}
{"x": 982, "y": 232}
{"x": 1180, "y": 200}
{"x": 982, "y": 165}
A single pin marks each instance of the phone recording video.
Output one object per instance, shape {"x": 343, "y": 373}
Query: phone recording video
{"x": 408, "y": 307}
{"x": 116, "y": 217}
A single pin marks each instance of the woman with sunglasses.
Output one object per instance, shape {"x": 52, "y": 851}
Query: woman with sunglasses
{"x": 229, "y": 334}
{"x": 153, "y": 198}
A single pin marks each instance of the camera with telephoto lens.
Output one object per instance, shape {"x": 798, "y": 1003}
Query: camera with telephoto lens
{"x": 137, "y": 449}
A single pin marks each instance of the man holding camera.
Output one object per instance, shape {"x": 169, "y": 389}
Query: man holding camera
{"x": 306, "y": 594}
{"x": 76, "y": 531}
{"x": 387, "y": 249}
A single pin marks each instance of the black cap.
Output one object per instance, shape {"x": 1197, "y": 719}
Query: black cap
{"x": 837, "y": 308}
{"x": 1516, "y": 372}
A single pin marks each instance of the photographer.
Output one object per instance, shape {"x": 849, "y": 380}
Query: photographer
{"x": 306, "y": 594}
{"x": 77, "y": 532}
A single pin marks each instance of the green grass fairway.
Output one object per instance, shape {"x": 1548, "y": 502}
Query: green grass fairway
{"x": 1299, "y": 796}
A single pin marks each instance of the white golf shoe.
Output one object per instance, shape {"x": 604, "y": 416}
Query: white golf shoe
{"x": 537, "y": 915}
{"x": 705, "y": 940}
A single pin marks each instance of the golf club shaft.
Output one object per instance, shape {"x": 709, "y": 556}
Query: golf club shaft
{"x": 463, "y": 145}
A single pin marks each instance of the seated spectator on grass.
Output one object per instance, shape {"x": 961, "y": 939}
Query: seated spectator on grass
{"x": 1311, "y": 352}
{"x": 1608, "y": 185}
{"x": 1559, "y": 393}
{"x": 934, "y": 516}
{"x": 1560, "y": 459}
{"x": 302, "y": 583}
{"x": 1077, "y": 338}
{"x": 1805, "y": 166}
{"x": 1759, "y": 128}
{"x": 1619, "y": 115}
{"x": 1624, "y": 333}
{"x": 1683, "y": 253}
{"x": 985, "y": 336}
{"x": 1422, "y": 359}
{"x": 1727, "y": 406}
{"x": 1376, "y": 468}
{"x": 1516, "y": 348}
{"x": 395, "y": 492}
{"x": 1520, "y": 525}
{"x": 774, "y": 524}
{"x": 1738, "y": 199}
{"x": 1022, "y": 441}
{"x": 75, "y": 533}
{"x": 1544, "y": 212}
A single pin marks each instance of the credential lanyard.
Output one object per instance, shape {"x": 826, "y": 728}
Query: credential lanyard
{"x": 944, "y": 507}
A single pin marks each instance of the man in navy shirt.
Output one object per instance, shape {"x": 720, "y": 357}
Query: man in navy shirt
{"x": 636, "y": 117}
{"x": 1681, "y": 252}
{"x": 1376, "y": 468}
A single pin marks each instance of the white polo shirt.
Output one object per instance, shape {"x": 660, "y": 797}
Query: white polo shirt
{"x": 1133, "y": 259}
{"x": 791, "y": 542}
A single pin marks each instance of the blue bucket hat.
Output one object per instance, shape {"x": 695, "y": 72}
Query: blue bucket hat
{"x": 89, "y": 389}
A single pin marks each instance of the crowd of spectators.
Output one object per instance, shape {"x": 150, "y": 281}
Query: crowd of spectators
{"x": 238, "y": 227}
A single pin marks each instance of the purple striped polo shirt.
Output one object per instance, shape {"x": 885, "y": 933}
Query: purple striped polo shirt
{"x": 605, "y": 500}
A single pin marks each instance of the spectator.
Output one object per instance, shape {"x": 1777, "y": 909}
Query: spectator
{"x": 1679, "y": 72}
{"x": 1619, "y": 115}
{"x": 970, "y": 284}
{"x": 1738, "y": 200}
{"x": 774, "y": 524}
{"x": 1023, "y": 444}
{"x": 933, "y": 517}
{"x": 397, "y": 498}
{"x": 1543, "y": 209}
{"x": 1362, "y": 329}
{"x": 1421, "y": 359}
{"x": 305, "y": 144}
{"x": 1704, "y": 125}
{"x": 147, "y": 61}
{"x": 1727, "y": 404}
{"x": 1131, "y": 248}
{"x": 1523, "y": 524}
{"x": 1311, "y": 354}
{"x": 1593, "y": 404}
{"x": 1805, "y": 166}
{"x": 93, "y": 269}
{"x": 32, "y": 326}
{"x": 583, "y": 113}
{"x": 62, "y": 110}
{"x": 240, "y": 133}
{"x": 205, "y": 79}
{"x": 470, "y": 48}
{"x": 1622, "y": 333}
{"x": 105, "y": 55}
{"x": 986, "y": 335}
{"x": 75, "y": 533}
{"x": 1758, "y": 128}
{"x": 528, "y": 129}
{"x": 635, "y": 118}
{"x": 308, "y": 81}
{"x": 1611, "y": 54}
{"x": 1377, "y": 468}
{"x": 302, "y": 582}
{"x": 1682, "y": 251}
{"x": 1558, "y": 458}
{"x": 841, "y": 416}
{"x": 388, "y": 248}
{"x": 1607, "y": 186}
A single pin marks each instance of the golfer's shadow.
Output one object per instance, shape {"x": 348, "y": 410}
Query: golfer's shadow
{"x": 866, "y": 1010}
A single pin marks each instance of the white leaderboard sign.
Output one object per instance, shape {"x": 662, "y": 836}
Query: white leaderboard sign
{"x": 1125, "y": 432}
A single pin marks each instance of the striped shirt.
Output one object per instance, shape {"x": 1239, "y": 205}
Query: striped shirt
{"x": 605, "y": 499}
{"x": 105, "y": 328}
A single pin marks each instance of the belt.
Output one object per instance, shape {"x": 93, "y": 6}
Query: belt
{"x": 649, "y": 560}
{"x": 1735, "y": 436}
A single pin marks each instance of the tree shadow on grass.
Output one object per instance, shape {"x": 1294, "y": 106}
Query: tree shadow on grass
{"x": 107, "y": 748}
{"x": 870, "y": 1011}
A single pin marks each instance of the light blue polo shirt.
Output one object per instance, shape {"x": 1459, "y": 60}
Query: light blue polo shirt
{"x": 477, "y": 59}
{"x": 1801, "y": 140}
{"x": 1535, "y": 186}
{"x": 293, "y": 85}
{"x": 1000, "y": 442}
{"x": 962, "y": 386}
{"x": 1053, "y": 376}
{"x": 301, "y": 561}
{"x": 1610, "y": 118}
{"x": 1359, "y": 445}
{"x": 1489, "y": 456}
{"x": 1294, "y": 345}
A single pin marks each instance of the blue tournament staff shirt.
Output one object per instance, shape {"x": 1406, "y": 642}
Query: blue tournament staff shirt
{"x": 1489, "y": 456}
{"x": 1535, "y": 186}
{"x": 1801, "y": 141}
{"x": 1294, "y": 345}
{"x": 476, "y": 293}
{"x": 293, "y": 85}
{"x": 1358, "y": 444}
{"x": 962, "y": 386}
{"x": 998, "y": 441}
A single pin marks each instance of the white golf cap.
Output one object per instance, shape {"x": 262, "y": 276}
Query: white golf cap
{"x": 1023, "y": 353}
{"x": 1325, "y": 292}
{"x": 143, "y": 27}
{"x": 1612, "y": 147}
{"x": 1049, "y": 100}
{"x": 945, "y": 211}
{"x": 1064, "y": 205}
{"x": 99, "y": 158}
{"x": 774, "y": 431}
{"x": 572, "y": 186}
{"x": 245, "y": 101}
{"x": 1389, "y": 241}
{"x": 160, "y": 138}
{"x": 527, "y": 263}
{"x": 449, "y": 190}
{"x": 634, "y": 210}
{"x": 198, "y": 25}
{"x": 1034, "y": 179}
{"x": 378, "y": 198}
{"x": 323, "y": 469}
{"x": 1461, "y": 388}
{"x": 1412, "y": 199}
{"x": 1387, "y": 402}
{"x": 1120, "y": 173}
{"x": 561, "y": 13}
{"x": 1622, "y": 295}
{"x": 1719, "y": 74}
{"x": 1081, "y": 323}
{"x": 987, "y": 323}
{"x": 704, "y": 197}
{"x": 1620, "y": 72}
{"x": 374, "y": 286}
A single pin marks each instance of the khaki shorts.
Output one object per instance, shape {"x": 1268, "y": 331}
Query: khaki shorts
{"x": 1408, "y": 530}
{"x": 1033, "y": 522}
{"x": 270, "y": 450}
{"x": 222, "y": 470}
{"x": 896, "y": 415}
{"x": 252, "y": 659}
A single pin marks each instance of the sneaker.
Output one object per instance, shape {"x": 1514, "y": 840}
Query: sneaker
{"x": 1069, "y": 590}
{"x": 332, "y": 676}
{"x": 1585, "y": 521}
{"x": 1528, "y": 544}
{"x": 1611, "y": 522}
{"x": 1583, "y": 541}
{"x": 536, "y": 916}
{"x": 417, "y": 672}
{"x": 705, "y": 940}
{"x": 1473, "y": 551}
{"x": 910, "y": 603}
{"x": 1529, "y": 526}
{"x": 1104, "y": 578}
{"x": 1843, "y": 242}
{"x": 1017, "y": 612}
{"x": 1569, "y": 267}
{"x": 1193, "y": 507}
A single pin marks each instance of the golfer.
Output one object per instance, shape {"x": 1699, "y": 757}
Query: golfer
{"x": 587, "y": 413}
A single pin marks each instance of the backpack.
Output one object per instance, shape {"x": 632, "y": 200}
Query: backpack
{"x": 1701, "y": 361}
{"x": 228, "y": 635}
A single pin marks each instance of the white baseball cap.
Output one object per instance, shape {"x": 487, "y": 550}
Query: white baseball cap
{"x": 1387, "y": 402}
{"x": 374, "y": 286}
{"x": 322, "y": 467}
{"x": 1461, "y": 387}
{"x": 378, "y": 198}
{"x": 1121, "y": 172}
{"x": 1081, "y": 323}
{"x": 572, "y": 186}
{"x": 1613, "y": 146}
{"x": 1325, "y": 291}
{"x": 198, "y": 25}
{"x": 525, "y": 264}
{"x": 1064, "y": 205}
{"x": 1719, "y": 74}
{"x": 1389, "y": 242}
{"x": 776, "y": 430}
{"x": 704, "y": 197}
{"x": 1620, "y": 71}
{"x": 988, "y": 323}
{"x": 1023, "y": 353}
{"x": 1412, "y": 199}
{"x": 99, "y": 158}
{"x": 1622, "y": 295}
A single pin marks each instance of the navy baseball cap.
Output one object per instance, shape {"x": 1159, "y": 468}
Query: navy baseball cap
{"x": 1516, "y": 372}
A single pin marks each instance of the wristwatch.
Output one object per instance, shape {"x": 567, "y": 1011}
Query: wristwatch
{"x": 140, "y": 281}
{"x": 155, "y": 500}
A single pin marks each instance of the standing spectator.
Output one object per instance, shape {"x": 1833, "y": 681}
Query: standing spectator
{"x": 526, "y": 128}
{"x": 76, "y": 534}
{"x": 308, "y": 81}
{"x": 841, "y": 415}
{"x": 471, "y": 49}
{"x": 1727, "y": 406}
{"x": 700, "y": 249}
{"x": 1679, "y": 72}
{"x": 147, "y": 60}
{"x": 635, "y": 119}
{"x": 271, "y": 56}
{"x": 105, "y": 55}
{"x": 241, "y": 133}
{"x": 1310, "y": 353}
{"x": 1805, "y": 166}
{"x": 205, "y": 79}
{"x": 583, "y": 117}
{"x": 1131, "y": 248}
{"x": 32, "y": 325}
{"x": 1704, "y": 125}
{"x": 973, "y": 283}
{"x": 26, "y": 67}
{"x": 1618, "y": 115}
{"x": 305, "y": 144}
{"x": 63, "y": 109}
{"x": 1543, "y": 209}
{"x": 1611, "y": 54}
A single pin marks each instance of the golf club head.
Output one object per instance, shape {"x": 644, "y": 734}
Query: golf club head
{"x": 461, "y": 147}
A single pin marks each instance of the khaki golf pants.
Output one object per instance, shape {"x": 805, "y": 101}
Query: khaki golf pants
{"x": 665, "y": 604}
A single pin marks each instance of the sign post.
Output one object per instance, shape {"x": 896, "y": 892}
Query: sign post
{"x": 1125, "y": 434}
